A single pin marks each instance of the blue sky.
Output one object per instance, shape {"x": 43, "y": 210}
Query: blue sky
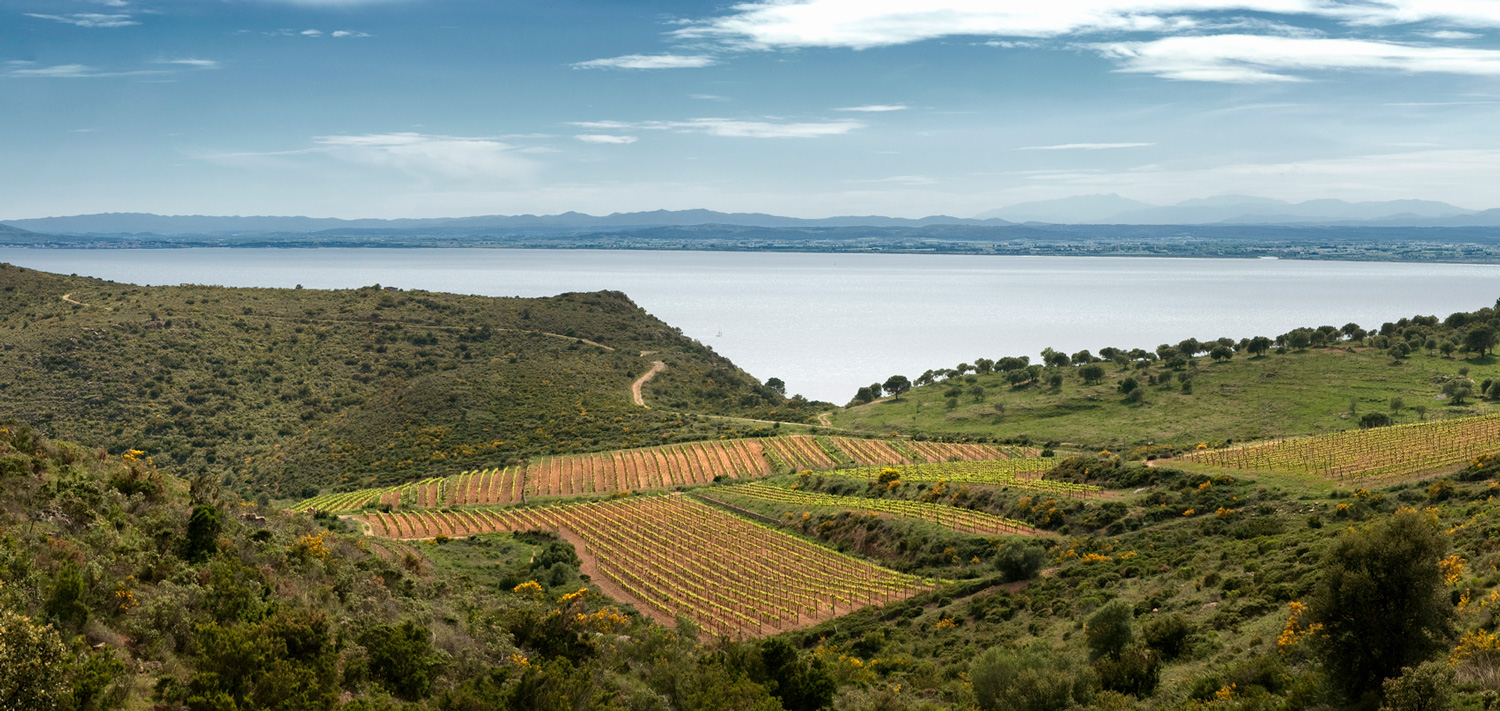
{"x": 417, "y": 108}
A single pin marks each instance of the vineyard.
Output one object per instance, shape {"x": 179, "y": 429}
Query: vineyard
{"x": 733, "y": 577}
{"x": 1376, "y": 453}
{"x": 1020, "y": 473}
{"x": 663, "y": 467}
{"x": 959, "y": 519}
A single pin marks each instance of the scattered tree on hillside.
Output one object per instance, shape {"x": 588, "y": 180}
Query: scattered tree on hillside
{"x": 1299, "y": 339}
{"x": 1480, "y": 339}
{"x": 1382, "y": 601}
{"x": 777, "y": 384}
{"x": 1221, "y": 353}
{"x": 1092, "y": 373}
{"x": 1259, "y": 345}
{"x": 897, "y": 385}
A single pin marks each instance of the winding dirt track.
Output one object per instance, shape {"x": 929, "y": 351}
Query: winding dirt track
{"x": 635, "y": 388}
{"x": 68, "y": 297}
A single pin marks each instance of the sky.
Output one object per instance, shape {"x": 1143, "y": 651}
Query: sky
{"x": 811, "y": 108}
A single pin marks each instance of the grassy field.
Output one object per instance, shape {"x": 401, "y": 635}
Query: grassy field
{"x": 1306, "y": 392}
{"x": 285, "y": 390}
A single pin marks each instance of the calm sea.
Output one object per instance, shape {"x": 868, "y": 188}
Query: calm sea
{"x": 828, "y": 323}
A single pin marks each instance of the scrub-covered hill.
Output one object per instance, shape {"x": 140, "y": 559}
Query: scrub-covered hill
{"x": 285, "y": 390}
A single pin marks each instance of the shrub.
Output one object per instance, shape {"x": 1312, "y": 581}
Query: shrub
{"x": 401, "y": 659}
{"x": 1169, "y": 635}
{"x": 1019, "y": 559}
{"x": 202, "y": 534}
{"x": 31, "y": 660}
{"x": 1135, "y": 670}
{"x": 1428, "y": 687}
{"x": 1027, "y": 680}
{"x": 1110, "y": 630}
{"x": 65, "y": 603}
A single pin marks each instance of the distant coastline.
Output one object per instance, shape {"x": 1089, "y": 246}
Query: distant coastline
{"x": 1412, "y": 245}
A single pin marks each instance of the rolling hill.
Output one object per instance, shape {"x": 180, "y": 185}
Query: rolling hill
{"x": 293, "y": 389}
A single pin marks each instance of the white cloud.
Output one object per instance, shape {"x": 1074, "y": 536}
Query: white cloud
{"x": 349, "y": 33}
{"x": 1084, "y": 146}
{"x": 63, "y": 71}
{"x": 311, "y": 33}
{"x": 862, "y": 24}
{"x": 89, "y": 19}
{"x": 605, "y": 138}
{"x": 1256, "y": 58}
{"x": 195, "y": 63}
{"x": 897, "y": 180}
{"x": 708, "y": 97}
{"x": 649, "y": 61}
{"x": 733, "y": 128}
{"x": 445, "y": 156}
{"x": 1452, "y": 35}
{"x": 876, "y": 108}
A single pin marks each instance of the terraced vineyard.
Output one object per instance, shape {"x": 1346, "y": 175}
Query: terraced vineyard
{"x": 959, "y": 519}
{"x": 663, "y": 467}
{"x": 671, "y": 554}
{"x": 1377, "y": 453}
{"x": 1020, "y": 473}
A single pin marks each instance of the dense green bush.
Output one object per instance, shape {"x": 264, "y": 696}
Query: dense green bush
{"x": 1027, "y": 680}
{"x": 401, "y": 659}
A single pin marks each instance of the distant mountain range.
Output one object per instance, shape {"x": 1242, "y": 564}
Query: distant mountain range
{"x": 130, "y": 223}
{"x": 1244, "y": 210}
{"x": 1078, "y": 210}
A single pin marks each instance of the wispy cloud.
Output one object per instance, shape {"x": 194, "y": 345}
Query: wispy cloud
{"x": 194, "y": 63}
{"x": 605, "y": 138}
{"x": 1452, "y": 35}
{"x": 897, "y": 180}
{"x": 447, "y": 156}
{"x": 1257, "y": 58}
{"x": 650, "y": 61}
{"x": 708, "y": 97}
{"x": 31, "y": 70}
{"x": 876, "y": 108}
{"x": 733, "y": 128}
{"x": 1084, "y": 146}
{"x": 89, "y": 19}
{"x": 311, "y": 32}
{"x": 418, "y": 154}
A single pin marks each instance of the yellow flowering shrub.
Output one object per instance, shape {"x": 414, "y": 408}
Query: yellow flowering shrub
{"x": 530, "y": 588}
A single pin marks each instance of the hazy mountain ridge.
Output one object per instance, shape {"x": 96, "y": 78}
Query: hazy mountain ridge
{"x": 178, "y": 225}
{"x": 1111, "y": 209}
{"x": 1245, "y": 209}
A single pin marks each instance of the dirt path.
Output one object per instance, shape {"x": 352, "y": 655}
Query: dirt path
{"x": 589, "y": 565}
{"x": 68, "y": 297}
{"x": 824, "y": 419}
{"x": 635, "y": 388}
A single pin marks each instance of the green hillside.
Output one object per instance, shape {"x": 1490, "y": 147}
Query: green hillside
{"x": 284, "y": 390}
{"x": 1182, "y": 400}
